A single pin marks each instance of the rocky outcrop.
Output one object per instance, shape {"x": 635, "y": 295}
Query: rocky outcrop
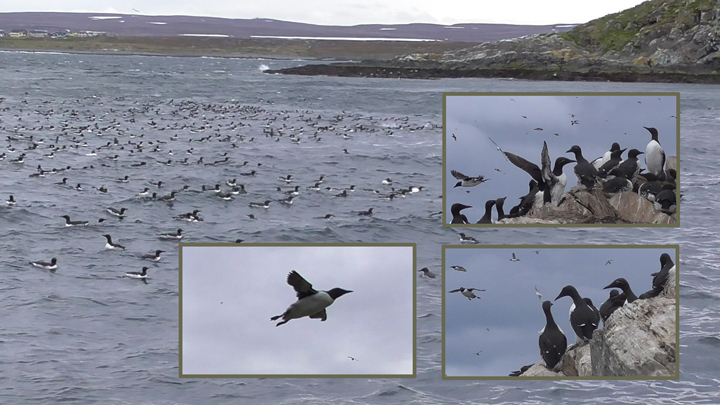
{"x": 635, "y": 209}
{"x": 638, "y": 340}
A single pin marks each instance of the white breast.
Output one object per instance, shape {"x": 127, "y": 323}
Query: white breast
{"x": 309, "y": 305}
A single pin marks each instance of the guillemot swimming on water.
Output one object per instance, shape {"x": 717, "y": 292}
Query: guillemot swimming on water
{"x": 552, "y": 341}
{"x": 467, "y": 239}
{"x": 265, "y": 204}
{"x": 154, "y": 257}
{"x": 11, "y": 201}
{"x": 177, "y": 235}
{"x": 622, "y": 284}
{"x": 584, "y": 319}
{"x": 310, "y": 303}
{"x": 467, "y": 292}
{"x": 68, "y": 222}
{"x": 427, "y": 273}
{"x": 654, "y": 154}
{"x": 118, "y": 213}
{"x": 111, "y": 245}
{"x": 459, "y": 218}
{"x": 133, "y": 274}
{"x": 467, "y": 181}
{"x": 190, "y": 216}
{"x": 367, "y": 213}
{"x": 52, "y": 266}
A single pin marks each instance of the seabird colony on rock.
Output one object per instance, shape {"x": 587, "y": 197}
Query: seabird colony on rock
{"x": 585, "y": 318}
{"x": 609, "y": 173}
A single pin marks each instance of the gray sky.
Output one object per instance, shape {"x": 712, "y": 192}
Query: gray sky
{"x": 602, "y": 120}
{"x": 344, "y": 12}
{"x": 230, "y": 293}
{"x": 506, "y": 321}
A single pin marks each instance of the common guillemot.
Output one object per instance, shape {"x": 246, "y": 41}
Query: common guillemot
{"x": 614, "y": 161}
{"x": 654, "y": 155}
{"x": 615, "y": 301}
{"x": 487, "y": 218}
{"x": 68, "y": 222}
{"x": 584, "y": 319}
{"x": 176, "y": 235}
{"x": 552, "y": 342}
{"x": 467, "y": 292}
{"x": 458, "y": 268}
{"x": 118, "y": 213}
{"x": 154, "y": 257}
{"x": 111, "y": 245}
{"x": 265, "y": 204}
{"x": 622, "y": 284}
{"x": 310, "y": 303}
{"x": 666, "y": 201}
{"x": 467, "y": 181}
{"x": 427, "y": 273}
{"x": 467, "y": 239}
{"x": 459, "y": 218}
{"x": 367, "y": 213}
{"x": 597, "y": 163}
{"x": 584, "y": 171}
{"x": 11, "y": 201}
{"x": 499, "y": 207}
{"x": 551, "y": 181}
{"x": 52, "y": 265}
{"x": 667, "y": 266}
{"x": 142, "y": 274}
{"x": 514, "y": 258}
{"x": 628, "y": 169}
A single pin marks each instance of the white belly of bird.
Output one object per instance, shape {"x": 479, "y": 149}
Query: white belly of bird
{"x": 654, "y": 157}
{"x": 309, "y": 305}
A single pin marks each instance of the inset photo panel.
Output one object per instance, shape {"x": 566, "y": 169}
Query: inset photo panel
{"x": 560, "y": 312}
{"x": 561, "y": 159}
{"x": 297, "y": 310}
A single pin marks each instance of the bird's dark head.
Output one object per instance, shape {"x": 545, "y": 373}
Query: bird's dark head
{"x": 457, "y": 207}
{"x": 615, "y": 146}
{"x": 546, "y": 305}
{"x": 653, "y": 132}
{"x": 567, "y": 291}
{"x": 574, "y": 149}
{"x": 614, "y": 293}
{"x": 618, "y": 283}
{"x": 337, "y": 292}
{"x": 562, "y": 161}
{"x": 634, "y": 153}
{"x": 489, "y": 204}
{"x": 53, "y": 261}
{"x": 665, "y": 259}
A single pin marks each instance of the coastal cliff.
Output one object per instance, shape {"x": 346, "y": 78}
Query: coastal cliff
{"x": 656, "y": 41}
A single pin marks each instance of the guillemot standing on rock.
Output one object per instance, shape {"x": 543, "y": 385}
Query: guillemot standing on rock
{"x": 584, "y": 171}
{"x": 52, "y": 266}
{"x": 459, "y": 218}
{"x": 614, "y": 161}
{"x": 467, "y": 292}
{"x": 111, "y": 245}
{"x": 499, "y": 207}
{"x": 667, "y": 266}
{"x": 615, "y": 301}
{"x": 310, "y": 303}
{"x": 654, "y": 155}
{"x": 552, "y": 339}
{"x": 628, "y": 169}
{"x": 487, "y": 218}
{"x": 666, "y": 201}
{"x": 551, "y": 181}
{"x": 597, "y": 163}
{"x": 467, "y": 181}
{"x": 584, "y": 319}
{"x": 622, "y": 284}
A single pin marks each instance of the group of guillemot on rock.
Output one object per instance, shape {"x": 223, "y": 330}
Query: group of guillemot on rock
{"x": 585, "y": 317}
{"x": 130, "y": 147}
{"x": 609, "y": 174}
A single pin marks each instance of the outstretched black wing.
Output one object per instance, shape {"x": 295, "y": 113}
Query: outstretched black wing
{"x": 301, "y": 286}
{"x": 530, "y": 168}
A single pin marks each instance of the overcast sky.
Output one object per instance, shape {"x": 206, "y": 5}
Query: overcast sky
{"x": 506, "y": 321}
{"x": 601, "y": 120}
{"x": 230, "y": 293}
{"x": 347, "y": 12}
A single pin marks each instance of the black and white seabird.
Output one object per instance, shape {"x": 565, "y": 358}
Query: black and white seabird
{"x": 118, "y": 213}
{"x": 367, "y": 213}
{"x": 310, "y": 303}
{"x": 584, "y": 171}
{"x": 467, "y": 239}
{"x": 154, "y": 257}
{"x": 667, "y": 266}
{"x": 514, "y": 258}
{"x": 111, "y": 245}
{"x": 176, "y": 235}
{"x": 654, "y": 155}
{"x": 614, "y": 161}
{"x": 459, "y": 218}
{"x": 190, "y": 216}
{"x": 265, "y": 204}
{"x": 458, "y": 268}
{"x": 628, "y": 169}
{"x": 387, "y": 181}
{"x": 133, "y": 274}
{"x": 52, "y": 265}
{"x": 467, "y": 181}
{"x": 615, "y": 301}
{"x": 584, "y": 319}
{"x": 68, "y": 222}
{"x": 427, "y": 273}
{"x": 617, "y": 184}
{"x": 487, "y": 218}
{"x": 499, "y": 207}
{"x": 597, "y": 163}
{"x": 467, "y": 292}
{"x": 11, "y": 201}
{"x": 552, "y": 339}
{"x": 622, "y": 284}
{"x": 666, "y": 201}
{"x": 551, "y": 181}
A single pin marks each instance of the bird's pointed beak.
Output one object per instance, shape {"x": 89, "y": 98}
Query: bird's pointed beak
{"x": 610, "y": 286}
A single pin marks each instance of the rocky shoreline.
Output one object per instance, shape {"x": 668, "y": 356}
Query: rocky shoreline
{"x": 429, "y": 73}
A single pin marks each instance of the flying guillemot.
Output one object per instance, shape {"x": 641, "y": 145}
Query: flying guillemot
{"x": 467, "y": 292}
{"x": 310, "y": 303}
{"x": 551, "y": 181}
{"x": 467, "y": 181}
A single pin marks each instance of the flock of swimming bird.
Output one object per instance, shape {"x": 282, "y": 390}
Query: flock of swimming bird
{"x": 609, "y": 172}
{"x": 584, "y": 316}
{"x": 144, "y": 138}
